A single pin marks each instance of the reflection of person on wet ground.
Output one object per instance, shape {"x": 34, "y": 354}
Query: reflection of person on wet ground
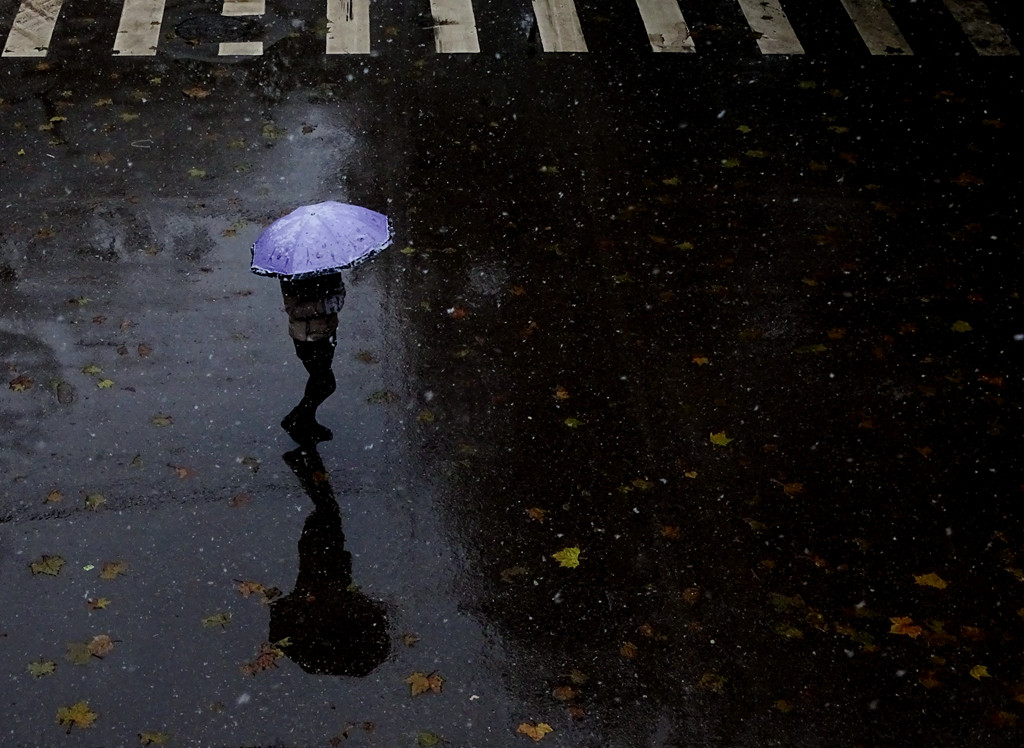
{"x": 330, "y": 627}
{"x": 313, "y": 305}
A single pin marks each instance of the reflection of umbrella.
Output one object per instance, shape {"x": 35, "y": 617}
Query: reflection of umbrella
{"x": 319, "y": 238}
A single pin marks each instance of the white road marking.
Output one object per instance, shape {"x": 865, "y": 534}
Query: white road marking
{"x": 32, "y": 29}
{"x": 228, "y": 49}
{"x": 138, "y": 33}
{"x": 244, "y": 8}
{"x": 454, "y": 26}
{"x": 348, "y": 27}
{"x": 876, "y": 27}
{"x": 775, "y": 34}
{"x": 666, "y": 29}
{"x": 987, "y": 37}
{"x": 559, "y": 26}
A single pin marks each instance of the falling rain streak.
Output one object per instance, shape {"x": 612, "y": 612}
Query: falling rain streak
{"x": 453, "y": 23}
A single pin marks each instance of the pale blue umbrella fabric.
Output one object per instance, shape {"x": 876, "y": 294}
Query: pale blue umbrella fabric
{"x": 320, "y": 238}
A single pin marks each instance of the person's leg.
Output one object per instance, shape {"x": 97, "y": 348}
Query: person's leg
{"x": 316, "y": 357}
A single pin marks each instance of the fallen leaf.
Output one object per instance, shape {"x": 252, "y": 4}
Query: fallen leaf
{"x": 421, "y": 683}
{"x": 105, "y": 384}
{"x": 905, "y": 626}
{"x": 154, "y": 738}
{"x": 700, "y": 360}
{"x": 113, "y": 569}
{"x": 94, "y": 501}
{"x": 410, "y": 639}
{"x": 239, "y": 499}
{"x": 537, "y": 731}
{"x": 931, "y": 580}
{"x": 47, "y": 565}
{"x": 217, "y": 619}
{"x": 78, "y": 653}
{"x": 720, "y": 439}
{"x": 568, "y": 557}
{"x": 561, "y": 393}
{"x": 40, "y": 668}
{"x": 97, "y": 603}
{"x": 428, "y": 739}
{"x": 961, "y": 326}
{"x": 183, "y": 471}
{"x": 564, "y": 693}
{"x": 100, "y": 645}
{"x": 21, "y": 383}
{"x": 712, "y": 682}
{"x": 573, "y": 423}
{"x": 77, "y": 715}
{"x": 980, "y": 671}
{"x": 536, "y": 513}
{"x": 628, "y": 650}
{"x": 672, "y": 532}
{"x": 266, "y": 658}
{"x": 161, "y": 420}
{"x": 195, "y": 92}
{"x": 144, "y": 350}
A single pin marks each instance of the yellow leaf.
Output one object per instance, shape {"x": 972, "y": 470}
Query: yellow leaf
{"x": 105, "y": 384}
{"x": 97, "y": 603}
{"x": 422, "y": 683}
{"x": 41, "y": 668}
{"x": 568, "y": 557}
{"x": 690, "y": 473}
{"x": 962, "y": 326}
{"x": 905, "y": 626}
{"x": 720, "y": 439}
{"x": 78, "y": 715}
{"x": 980, "y": 671}
{"x": 47, "y": 565}
{"x": 536, "y": 731}
{"x": 94, "y": 501}
{"x": 217, "y": 619}
{"x": 700, "y": 360}
{"x": 931, "y": 580}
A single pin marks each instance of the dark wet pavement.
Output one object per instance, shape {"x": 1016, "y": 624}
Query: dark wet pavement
{"x": 743, "y": 330}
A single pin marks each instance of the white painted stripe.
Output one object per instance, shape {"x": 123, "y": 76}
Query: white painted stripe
{"x": 559, "y": 26}
{"x": 32, "y": 29}
{"x": 348, "y": 27}
{"x": 240, "y": 49}
{"x": 666, "y": 29}
{"x": 139, "y": 30}
{"x": 987, "y": 37}
{"x": 244, "y": 8}
{"x": 775, "y": 35}
{"x": 876, "y": 27}
{"x": 454, "y": 26}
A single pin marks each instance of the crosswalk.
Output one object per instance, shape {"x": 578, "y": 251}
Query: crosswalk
{"x": 557, "y": 23}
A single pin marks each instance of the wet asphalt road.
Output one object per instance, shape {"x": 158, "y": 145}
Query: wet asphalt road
{"x": 742, "y": 329}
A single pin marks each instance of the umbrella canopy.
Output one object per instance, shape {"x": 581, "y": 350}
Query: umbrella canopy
{"x": 319, "y": 238}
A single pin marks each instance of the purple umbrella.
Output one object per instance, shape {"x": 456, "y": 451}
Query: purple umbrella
{"x": 319, "y": 238}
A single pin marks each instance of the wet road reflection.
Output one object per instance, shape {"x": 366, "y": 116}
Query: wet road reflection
{"x": 326, "y": 625}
